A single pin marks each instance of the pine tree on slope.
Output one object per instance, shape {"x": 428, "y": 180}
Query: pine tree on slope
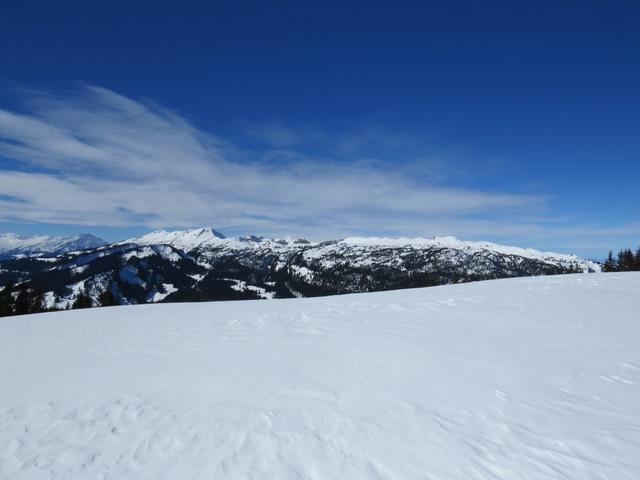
{"x": 106, "y": 298}
{"x": 82, "y": 301}
{"x": 610, "y": 264}
{"x": 23, "y": 300}
{"x": 6, "y": 300}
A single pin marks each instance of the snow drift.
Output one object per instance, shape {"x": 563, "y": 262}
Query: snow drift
{"x": 530, "y": 378}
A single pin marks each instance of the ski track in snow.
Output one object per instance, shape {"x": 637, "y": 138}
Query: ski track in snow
{"x": 530, "y": 378}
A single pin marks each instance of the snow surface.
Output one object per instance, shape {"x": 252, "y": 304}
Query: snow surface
{"x": 241, "y": 286}
{"x": 156, "y": 296}
{"x": 528, "y": 378}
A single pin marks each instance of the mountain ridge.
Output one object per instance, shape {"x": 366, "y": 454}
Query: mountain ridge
{"x": 193, "y": 238}
{"x": 12, "y": 244}
{"x": 189, "y": 239}
{"x": 202, "y": 265}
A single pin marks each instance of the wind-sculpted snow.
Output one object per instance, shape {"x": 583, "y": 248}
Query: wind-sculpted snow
{"x": 519, "y": 379}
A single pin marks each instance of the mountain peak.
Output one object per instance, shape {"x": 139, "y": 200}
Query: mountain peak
{"x": 183, "y": 239}
{"x": 12, "y": 244}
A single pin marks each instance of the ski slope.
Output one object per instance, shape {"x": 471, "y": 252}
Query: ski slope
{"x": 529, "y": 378}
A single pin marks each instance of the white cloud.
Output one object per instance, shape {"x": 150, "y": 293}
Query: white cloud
{"x": 99, "y": 158}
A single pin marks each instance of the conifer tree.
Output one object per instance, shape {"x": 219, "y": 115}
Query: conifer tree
{"x": 6, "y": 300}
{"x": 610, "y": 263}
{"x": 106, "y": 298}
{"x": 82, "y": 301}
{"x": 23, "y": 300}
{"x": 37, "y": 302}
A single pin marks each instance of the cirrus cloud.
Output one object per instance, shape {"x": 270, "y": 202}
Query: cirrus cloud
{"x": 94, "y": 157}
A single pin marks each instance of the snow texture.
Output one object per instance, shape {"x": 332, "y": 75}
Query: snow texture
{"x": 528, "y": 378}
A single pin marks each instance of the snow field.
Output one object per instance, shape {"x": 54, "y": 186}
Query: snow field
{"x": 530, "y": 378}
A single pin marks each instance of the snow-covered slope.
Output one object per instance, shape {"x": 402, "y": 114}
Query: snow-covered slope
{"x": 183, "y": 239}
{"x": 530, "y": 378}
{"x": 18, "y": 245}
{"x": 454, "y": 243}
{"x": 203, "y": 239}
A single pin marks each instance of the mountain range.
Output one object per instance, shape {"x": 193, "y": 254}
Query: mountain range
{"x": 202, "y": 264}
{"x": 14, "y": 246}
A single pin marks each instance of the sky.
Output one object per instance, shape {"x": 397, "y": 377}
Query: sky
{"x": 514, "y": 122}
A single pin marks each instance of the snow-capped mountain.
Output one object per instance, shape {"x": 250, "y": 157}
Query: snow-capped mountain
{"x": 203, "y": 239}
{"x": 12, "y": 245}
{"x": 183, "y": 239}
{"x": 203, "y": 264}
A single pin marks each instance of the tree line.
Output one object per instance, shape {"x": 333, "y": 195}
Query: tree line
{"x": 625, "y": 261}
{"x": 21, "y": 299}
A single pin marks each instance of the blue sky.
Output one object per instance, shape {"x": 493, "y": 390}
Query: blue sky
{"x": 517, "y": 122}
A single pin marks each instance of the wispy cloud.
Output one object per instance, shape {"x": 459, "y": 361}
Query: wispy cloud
{"x": 95, "y": 157}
